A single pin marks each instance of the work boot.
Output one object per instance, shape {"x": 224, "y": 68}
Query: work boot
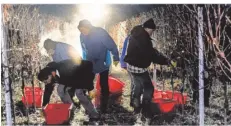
{"x": 94, "y": 115}
{"x": 94, "y": 118}
{"x": 146, "y": 107}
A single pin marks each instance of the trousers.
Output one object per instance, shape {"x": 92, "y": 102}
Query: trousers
{"x": 141, "y": 85}
{"x": 66, "y": 97}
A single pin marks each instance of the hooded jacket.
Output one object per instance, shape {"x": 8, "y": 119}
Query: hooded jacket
{"x": 140, "y": 52}
{"x": 96, "y": 46}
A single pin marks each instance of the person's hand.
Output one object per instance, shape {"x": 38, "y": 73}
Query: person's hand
{"x": 172, "y": 65}
{"x": 115, "y": 63}
{"x": 41, "y": 112}
{"x": 91, "y": 94}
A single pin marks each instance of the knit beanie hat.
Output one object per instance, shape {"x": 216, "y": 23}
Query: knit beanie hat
{"x": 84, "y": 23}
{"x": 149, "y": 24}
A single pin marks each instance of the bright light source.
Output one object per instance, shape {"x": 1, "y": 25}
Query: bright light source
{"x": 95, "y": 13}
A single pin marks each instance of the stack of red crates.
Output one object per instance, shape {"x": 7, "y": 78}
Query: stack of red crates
{"x": 57, "y": 113}
{"x": 165, "y": 104}
{"x": 28, "y": 100}
{"x": 179, "y": 97}
{"x": 167, "y": 100}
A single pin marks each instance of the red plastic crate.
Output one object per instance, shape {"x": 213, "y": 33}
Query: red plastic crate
{"x": 165, "y": 105}
{"x": 164, "y": 95}
{"x": 28, "y": 99}
{"x": 115, "y": 85}
{"x": 157, "y": 94}
{"x": 177, "y": 96}
{"x": 57, "y": 113}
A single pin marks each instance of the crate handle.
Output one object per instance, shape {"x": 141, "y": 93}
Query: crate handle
{"x": 71, "y": 106}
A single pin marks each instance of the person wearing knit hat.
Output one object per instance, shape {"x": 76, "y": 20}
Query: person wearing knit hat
{"x": 139, "y": 56}
{"x": 149, "y": 24}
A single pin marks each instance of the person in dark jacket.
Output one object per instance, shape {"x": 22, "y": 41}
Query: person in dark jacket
{"x": 60, "y": 51}
{"x": 77, "y": 76}
{"x": 96, "y": 44}
{"x": 140, "y": 54}
{"x": 123, "y": 64}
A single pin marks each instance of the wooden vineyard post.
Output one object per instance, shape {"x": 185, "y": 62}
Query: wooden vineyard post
{"x": 4, "y": 59}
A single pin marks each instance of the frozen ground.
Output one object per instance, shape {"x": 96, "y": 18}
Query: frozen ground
{"x": 121, "y": 114}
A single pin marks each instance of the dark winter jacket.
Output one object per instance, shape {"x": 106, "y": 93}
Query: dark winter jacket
{"x": 76, "y": 76}
{"x": 140, "y": 52}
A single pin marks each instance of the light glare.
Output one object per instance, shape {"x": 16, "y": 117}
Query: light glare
{"x": 95, "y": 13}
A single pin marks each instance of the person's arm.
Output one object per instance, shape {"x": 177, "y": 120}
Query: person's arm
{"x": 108, "y": 58}
{"x": 109, "y": 43}
{"x": 47, "y": 94}
{"x": 159, "y": 58}
{"x": 154, "y": 54}
{"x": 84, "y": 50}
{"x": 124, "y": 49}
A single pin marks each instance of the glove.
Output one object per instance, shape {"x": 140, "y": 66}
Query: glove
{"x": 115, "y": 63}
{"x": 173, "y": 64}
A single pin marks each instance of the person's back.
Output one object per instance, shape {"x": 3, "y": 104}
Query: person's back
{"x": 73, "y": 74}
{"x": 140, "y": 52}
{"x": 139, "y": 41}
{"x": 93, "y": 41}
{"x": 96, "y": 44}
{"x": 64, "y": 51}
{"x": 60, "y": 51}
